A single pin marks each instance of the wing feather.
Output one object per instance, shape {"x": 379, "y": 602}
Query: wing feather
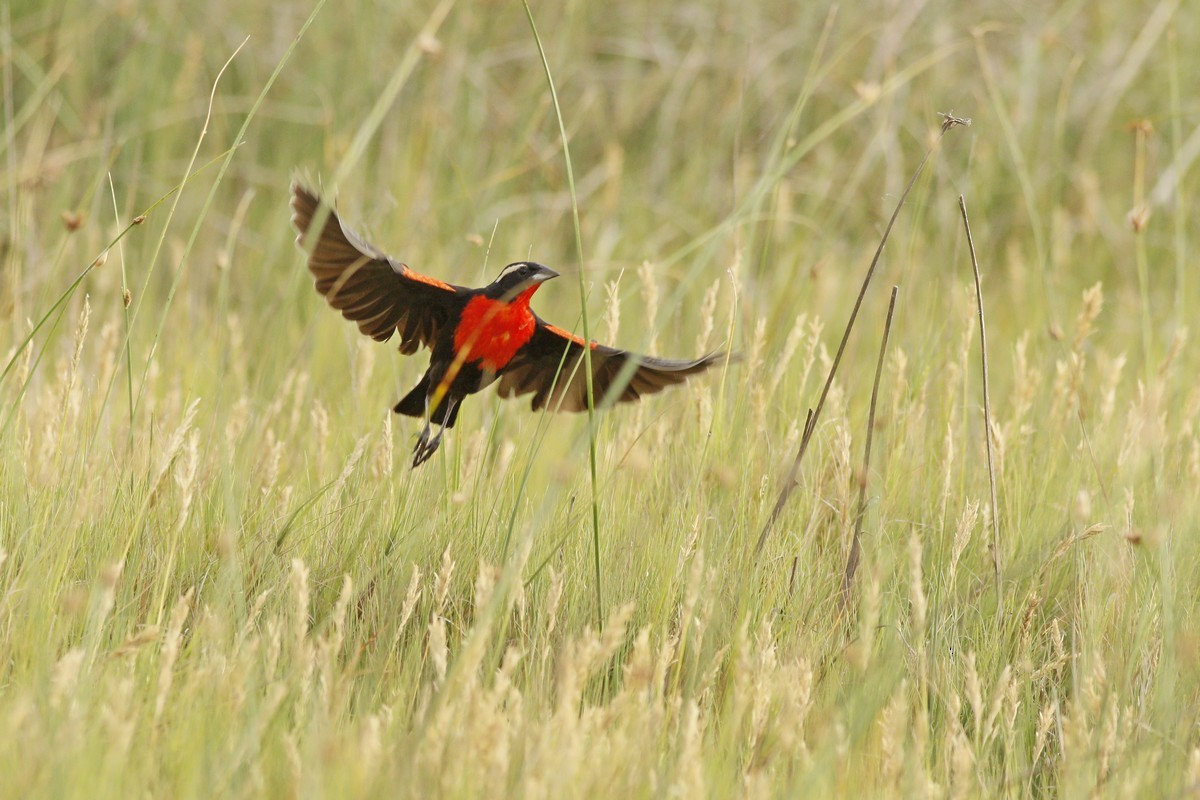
{"x": 379, "y": 293}
{"x": 550, "y": 367}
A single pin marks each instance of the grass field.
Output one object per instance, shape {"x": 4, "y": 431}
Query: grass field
{"x": 219, "y": 576}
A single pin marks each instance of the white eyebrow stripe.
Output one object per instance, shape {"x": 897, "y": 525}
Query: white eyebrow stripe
{"x": 510, "y": 269}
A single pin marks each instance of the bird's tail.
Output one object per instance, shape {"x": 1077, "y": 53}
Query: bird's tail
{"x": 413, "y": 405}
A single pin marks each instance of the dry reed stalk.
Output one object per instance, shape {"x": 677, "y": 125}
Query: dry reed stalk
{"x": 790, "y": 482}
{"x": 852, "y": 560}
{"x": 987, "y": 417}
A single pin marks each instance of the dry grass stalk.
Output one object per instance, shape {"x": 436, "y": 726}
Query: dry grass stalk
{"x": 790, "y": 482}
{"x": 918, "y": 602}
{"x": 320, "y": 427}
{"x": 70, "y": 400}
{"x": 442, "y": 582}
{"x": 170, "y": 652}
{"x": 364, "y": 366}
{"x": 758, "y": 344}
{"x": 172, "y": 451}
{"x": 987, "y": 417}
{"x": 185, "y": 477}
{"x": 689, "y": 775}
{"x": 439, "y": 651}
{"x": 948, "y": 468}
{"x": 381, "y": 467}
{"x": 299, "y": 580}
{"x": 861, "y": 513}
{"x": 790, "y": 347}
{"x": 1066, "y": 544}
{"x": 410, "y": 599}
{"x": 612, "y": 313}
{"x": 347, "y": 471}
{"x": 962, "y": 536}
{"x": 337, "y": 629}
{"x": 1027, "y": 380}
{"x": 650, "y": 296}
{"x": 894, "y": 724}
{"x": 110, "y": 576}
{"x": 1046, "y": 718}
{"x": 708, "y": 311}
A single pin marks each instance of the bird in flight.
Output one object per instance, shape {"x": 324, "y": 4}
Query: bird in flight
{"x": 476, "y": 336}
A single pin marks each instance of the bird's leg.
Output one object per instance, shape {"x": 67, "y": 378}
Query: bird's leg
{"x": 426, "y": 447}
{"x": 421, "y": 451}
{"x": 450, "y": 404}
{"x": 423, "y": 436}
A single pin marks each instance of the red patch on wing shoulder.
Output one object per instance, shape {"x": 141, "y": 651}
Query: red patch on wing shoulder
{"x": 492, "y": 331}
{"x": 557, "y": 331}
{"x": 425, "y": 279}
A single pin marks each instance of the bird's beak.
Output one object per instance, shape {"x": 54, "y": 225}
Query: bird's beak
{"x": 544, "y": 274}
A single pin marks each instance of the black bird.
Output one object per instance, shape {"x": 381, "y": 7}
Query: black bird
{"x": 477, "y": 336}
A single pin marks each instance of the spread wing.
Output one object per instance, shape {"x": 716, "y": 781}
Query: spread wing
{"x": 379, "y": 293}
{"x": 536, "y": 369}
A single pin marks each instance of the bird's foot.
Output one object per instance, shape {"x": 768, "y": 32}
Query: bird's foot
{"x": 425, "y": 447}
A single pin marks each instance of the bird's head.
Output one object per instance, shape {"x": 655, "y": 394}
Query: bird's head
{"x": 519, "y": 280}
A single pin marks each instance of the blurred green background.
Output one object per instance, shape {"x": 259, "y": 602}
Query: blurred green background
{"x": 218, "y": 576}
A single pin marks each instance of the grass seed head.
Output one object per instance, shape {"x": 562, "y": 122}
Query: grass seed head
{"x": 170, "y": 652}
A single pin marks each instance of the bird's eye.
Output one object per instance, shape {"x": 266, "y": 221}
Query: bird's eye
{"x": 525, "y": 271}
